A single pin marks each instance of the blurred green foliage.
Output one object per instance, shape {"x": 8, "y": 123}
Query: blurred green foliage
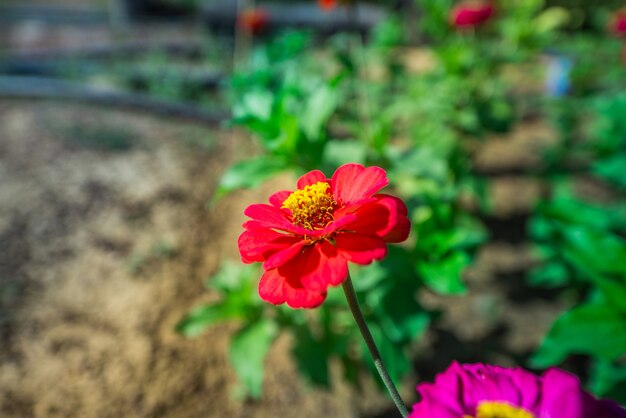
{"x": 581, "y": 244}
{"x": 313, "y": 107}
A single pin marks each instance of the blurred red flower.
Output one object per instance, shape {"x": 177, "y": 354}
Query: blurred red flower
{"x": 253, "y": 21}
{"x": 305, "y": 238}
{"x": 617, "y": 23}
{"x": 471, "y": 13}
{"x": 327, "y": 4}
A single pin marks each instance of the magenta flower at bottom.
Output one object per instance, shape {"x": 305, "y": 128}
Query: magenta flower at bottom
{"x": 484, "y": 391}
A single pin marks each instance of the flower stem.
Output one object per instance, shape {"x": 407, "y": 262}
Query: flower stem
{"x": 348, "y": 290}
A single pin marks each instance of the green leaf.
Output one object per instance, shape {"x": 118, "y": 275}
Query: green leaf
{"x": 614, "y": 289}
{"x": 249, "y": 174}
{"x": 595, "y": 329}
{"x": 552, "y": 274}
{"x": 338, "y": 153}
{"x": 231, "y": 276}
{"x": 247, "y": 354}
{"x": 551, "y": 19}
{"x": 317, "y": 110}
{"x": 608, "y": 380}
{"x": 612, "y": 169}
{"x": 312, "y": 357}
{"x": 444, "y": 276}
{"x": 199, "y": 319}
{"x": 400, "y": 315}
{"x": 255, "y": 104}
{"x": 595, "y": 252}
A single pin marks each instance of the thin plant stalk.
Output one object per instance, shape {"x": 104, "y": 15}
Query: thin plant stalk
{"x": 348, "y": 290}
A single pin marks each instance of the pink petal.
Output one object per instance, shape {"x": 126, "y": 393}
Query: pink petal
{"x": 284, "y": 255}
{"x": 529, "y": 386}
{"x": 562, "y": 396}
{"x": 311, "y": 177}
{"x": 432, "y": 406}
{"x": 278, "y": 198}
{"x": 361, "y": 249}
{"x": 271, "y": 287}
{"x": 353, "y": 182}
{"x": 258, "y": 244}
{"x": 467, "y": 14}
{"x": 475, "y": 384}
{"x": 324, "y": 267}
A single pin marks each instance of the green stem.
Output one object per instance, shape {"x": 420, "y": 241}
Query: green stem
{"x": 348, "y": 290}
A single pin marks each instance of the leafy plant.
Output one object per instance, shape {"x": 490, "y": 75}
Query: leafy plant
{"x": 318, "y": 336}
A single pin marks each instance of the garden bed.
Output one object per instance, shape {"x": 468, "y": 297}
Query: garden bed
{"x": 105, "y": 247}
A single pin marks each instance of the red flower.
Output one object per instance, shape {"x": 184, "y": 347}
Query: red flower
{"x": 327, "y": 4}
{"x": 306, "y": 238}
{"x": 471, "y": 13}
{"x": 617, "y": 23}
{"x": 254, "y": 21}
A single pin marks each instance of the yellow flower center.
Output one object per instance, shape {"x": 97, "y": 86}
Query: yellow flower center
{"x": 499, "y": 410}
{"x": 311, "y": 207}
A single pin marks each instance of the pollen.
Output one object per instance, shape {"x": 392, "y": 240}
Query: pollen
{"x": 311, "y": 207}
{"x": 501, "y": 410}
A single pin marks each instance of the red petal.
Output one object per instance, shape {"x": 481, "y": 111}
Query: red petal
{"x": 361, "y": 249}
{"x": 385, "y": 218}
{"x": 271, "y": 287}
{"x": 258, "y": 244}
{"x": 284, "y": 255}
{"x": 278, "y": 198}
{"x": 324, "y": 267}
{"x": 353, "y": 182}
{"x": 270, "y": 217}
{"x": 297, "y": 296}
{"x": 311, "y": 177}
{"x": 275, "y": 288}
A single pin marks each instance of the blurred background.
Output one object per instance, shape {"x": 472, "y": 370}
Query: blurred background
{"x": 133, "y": 133}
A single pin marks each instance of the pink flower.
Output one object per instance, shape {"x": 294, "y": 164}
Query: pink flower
{"x": 617, "y": 23}
{"x": 305, "y": 238}
{"x": 484, "y": 391}
{"x": 471, "y": 13}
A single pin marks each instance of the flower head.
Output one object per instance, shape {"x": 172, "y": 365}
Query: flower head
{"x": 253, "y": 21}
{"x": 306, "y": 238}
{"x": 484, "y": 391}
{"x": 471, "y": 13}
{"x": 327, "y": 4}
{"x": 617, "y": 23}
